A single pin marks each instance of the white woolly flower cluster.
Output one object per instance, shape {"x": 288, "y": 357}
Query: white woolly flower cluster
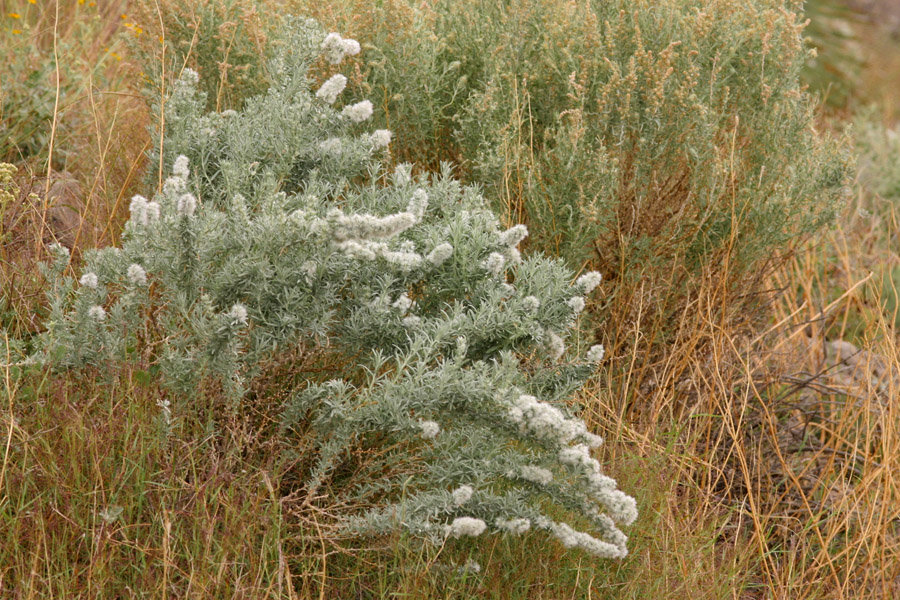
{"x": 536, "y": 474}
{"x": 494, "y": 263}
{"x": 309, "y": 268}
{"x": 332, "y": 88}
{"x": 97, "y": 313}
{"x": 418, "y": 204}
{"x": 465, "y": 526}
{"x": 570, "y": 538}
{"x": 181, "y": 167}
{"x": 513, "y": 526}
{"x": 588, "y": 282}
{"x": 188, "y": 79}
{"x": 59, "y": 250}
{"x": 510, "y": 239}
{"x": 439, "y": 254}
{"x": 355, "y": 234}
{"x": 576, "y": 303}
{"x": 620, "y": 506}
{"x": 359, "y": 227}
{"x": 462, "y": 494}
{"x": 596, "y": 353}
{"x": 381, "y": 138}
{"x": 531, "y": 304}
{"x": 547, "y": 422}
{"x": 176, "y": 185}
{"x": 358, "y": 112}
{"x": 187, "y": 205}
{"x": 142, "y": 211}
{"x": 402, "y": 174}
{"x": 173, "y": 186}
{"x": 89, "y": 280}
{"x": 137, "y": 275}
{"x": 402, "y": 303}
{"x": 335, "y": 48}
{"x": 238, "y": 314}
{"x": 430, "y": 429}
{"x": 514, "y": 235}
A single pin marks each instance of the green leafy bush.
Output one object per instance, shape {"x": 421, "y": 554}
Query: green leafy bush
{"x": 668, "y": 142}
{"x": 421, "y": 342}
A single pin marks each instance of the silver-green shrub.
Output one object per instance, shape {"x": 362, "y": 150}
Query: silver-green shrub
{"x": 279, "y": 233}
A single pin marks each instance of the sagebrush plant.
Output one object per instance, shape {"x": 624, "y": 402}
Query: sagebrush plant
{"x": 279, "y": 232}
{"x": 667, "y": 142}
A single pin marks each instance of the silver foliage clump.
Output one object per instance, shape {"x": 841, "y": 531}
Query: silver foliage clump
{"x": 260, "y": 242}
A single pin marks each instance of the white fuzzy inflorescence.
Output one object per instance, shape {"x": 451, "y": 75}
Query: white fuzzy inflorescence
{"x": 358, "y": 112}
{"x": 173, "y": 186}
{"x": 59, "y": 250}
{"x": 536, "y": 474}
{"x": 439, "y": 254}
{"x": 462, "y": 494}
{"x": 97, "y": 313}
{"x": 142, "y": 211}
{"x": 587, "y": 282}
{"x": 181, "y": 168}
{"x": 576, "y": 303}
{"x": 332, "y": 88}
{"x": 333, "y": 146}
{"x": 360, "y": 227}
{"x": 411, "y": 321}
{"x": 546, "y": 422}
{"x": 556, "y": 347}
{"x": 465, "y": 526}
{"x": 402, "y": 174}
{"x": 380, "y": 138}
{"x": 335, "y": 48}
{"x": 152, "y": 212}
{"x": 430, "y": 429}
{"x": 186, "y": 205}
{"x": 89, "y": 280}
{"x": 596, "y": 353}
{"x": 402, "y": 303}
{"x": 137, "y": 275}
{"x": 494, "y": 263}
{"x": 571, "y": 538}
{"x": 238, "y": 314}
{"x": 514, "y": 235}
{"x": 137, "y": 208}
{"x": 418, "y": 204}
{"x": 531, "y": 304}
